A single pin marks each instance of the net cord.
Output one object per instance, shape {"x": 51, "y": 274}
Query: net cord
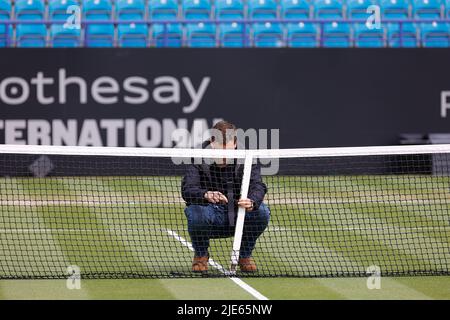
{"x": 235, "y": 154}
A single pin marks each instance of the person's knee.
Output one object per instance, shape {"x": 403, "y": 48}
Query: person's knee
{"x": 198, "y": 215}
{"x": 263, "y": 213}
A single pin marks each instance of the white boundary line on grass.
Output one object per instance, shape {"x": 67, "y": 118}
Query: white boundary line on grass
{"x": 219, "y": 267}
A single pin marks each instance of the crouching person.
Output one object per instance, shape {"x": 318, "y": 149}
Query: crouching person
{"x": 212, "y": 195}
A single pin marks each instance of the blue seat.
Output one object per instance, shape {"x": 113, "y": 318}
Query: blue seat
{"x": 435, "y": 34}
{"x": 31, "y": 35}
{"x": 98, "y": 35}
{"x": 167, "y": 35}
{"x": 97, "y": 9}
{"x": 5, "y": 31}
{"x": 233, "y": 35}
{"x": 262, "y": 9}
{"x": 357, "y": 9}
{"x": 302, "y": 34}
{"x": 230, "y": 9}
{"x": 196, "y": 9}
{"x": 427, "y": 9}
{"x": 336, "y": 35}
{"x": 395, "y": 9}
{"x": 267, "y": 34}
{"x": 57, "y": 9}
{"x": 447, "y": 9}
{"x": 130, "y": 9}
{"x": 30, "y": 9}
{"x": 407, "y": 37}
{"x": 295, "y": 9}
{"x": 201, "y": 35}
{"x": 163, "y": 9}
{"x": 329, "y": 9}
{"x": 366, "y": 37}
{"x": 132, "y": 35}
{"x": 61, "y": 37}
{"x": 5, "y": 9}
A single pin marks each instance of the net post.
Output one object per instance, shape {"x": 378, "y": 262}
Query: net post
{"x": 241, "y": 214}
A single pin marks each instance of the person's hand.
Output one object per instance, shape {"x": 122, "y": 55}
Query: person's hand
{"x": 215, "y": 197}
{"x": 247, "y": 204}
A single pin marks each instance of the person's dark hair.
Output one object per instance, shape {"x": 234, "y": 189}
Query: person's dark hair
{"x": 227, "y": 129}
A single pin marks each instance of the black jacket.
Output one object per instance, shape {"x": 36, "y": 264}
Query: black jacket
{"x": 197, "y": 181}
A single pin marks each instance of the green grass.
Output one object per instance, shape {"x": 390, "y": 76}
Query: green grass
{"x": 224, "y": 289}
{"x": 320, "y": 226}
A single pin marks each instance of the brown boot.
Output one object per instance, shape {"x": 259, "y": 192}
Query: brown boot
{"x": 247, "y": 265}
{"x": 200, "y": 264}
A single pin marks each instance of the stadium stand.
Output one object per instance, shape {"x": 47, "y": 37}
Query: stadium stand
{"x": 224, "y": 23}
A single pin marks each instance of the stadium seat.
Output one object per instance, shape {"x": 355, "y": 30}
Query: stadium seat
{"x": 98, "y": 35}
{"x": 447, "y": 9}
{"x": 368, "y": 37}
{"x": 61, "y": 37}
{"x": 427, "y": 9}
{"x": 130, "y": 9}
{"x": 201, "y": 35}
{"x": 233, "y": 35}
{"x": 295, "y": 9}
{"x": 57, "y": 9}
{"x": 5, "y": 9}
{"x": 267, "y": 34}
{"x": 132, "y": 35}
{"x": 395, "y": 9}
{"x": 196, "y": 9}
{"x": 302, "y": 35}
{"x": 167, "y": 35}
{"x": 30, "y": 9}
{"x": 163, "y": 9}
{"x": 328, "y": 9}
{"x": 97, "y": 9}
{"x": 262, "y": 9}
{"x": 409, "y": 35}
{"x": 336, "y": 35}
{"x": 435, "y": 34}
{"x": 357, "y": 9}
{"x": 230, "y": 9}
{"x": 31, "y": 35}
{"x": 5, "y": 14}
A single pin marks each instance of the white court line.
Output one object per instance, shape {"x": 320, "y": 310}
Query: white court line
{"x": 219, "y": 267}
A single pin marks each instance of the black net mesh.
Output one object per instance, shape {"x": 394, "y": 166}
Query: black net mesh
{"x": 127, "y": 217}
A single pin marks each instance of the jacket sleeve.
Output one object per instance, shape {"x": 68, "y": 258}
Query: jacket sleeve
{"x": 257, "y": 188}
{"x": 191, "y": 187}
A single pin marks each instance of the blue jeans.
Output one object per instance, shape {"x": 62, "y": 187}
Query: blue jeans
{"x": 210, "y": 221}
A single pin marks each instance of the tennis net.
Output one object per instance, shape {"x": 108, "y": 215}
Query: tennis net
{"x": 127, "y": 213}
